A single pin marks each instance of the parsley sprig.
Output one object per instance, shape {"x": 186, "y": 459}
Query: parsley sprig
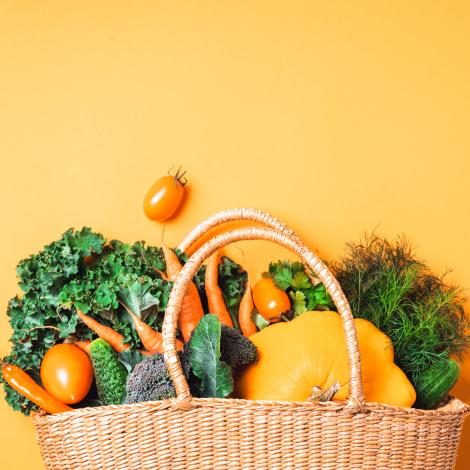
{"x": 291, "y": 276}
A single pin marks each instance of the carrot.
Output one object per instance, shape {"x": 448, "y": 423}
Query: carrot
{"x": 115, "y": 339}
{"x": 162, "y": 274}
{"x": 152, "y": 340}
{"x": 247, "y": 325}
{"x": 191, "y": 307}
{"x": 214, "y": 293}
{"x": 84, "y": 345}
{"x": 20, "y": 381}
{"x": 173, "y": 265}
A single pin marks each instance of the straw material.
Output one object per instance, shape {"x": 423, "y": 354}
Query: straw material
{"x": 192, "y": 433}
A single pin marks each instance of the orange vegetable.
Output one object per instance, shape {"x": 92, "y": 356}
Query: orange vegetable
{"x": 20, "y": 381}
{"x": 162, "y": 274}
{"x": 152, "y": 340}
{"x": 247, "y": 325}
{"x": 306, "y": 358}
{"x": 270, "y": 301}
{"x": 191, "y": 308}
{"x": 111, "y": 336}
{"x": 83, "y": 345}
{"x": 214, "y": 293}
{"x": 164, "y": 197}
{"x": 67, "y": 373}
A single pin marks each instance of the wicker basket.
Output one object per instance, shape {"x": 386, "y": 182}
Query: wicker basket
{"x": 190, "y": 433}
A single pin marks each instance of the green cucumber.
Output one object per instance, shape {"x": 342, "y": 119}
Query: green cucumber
{"x": 435, "y": 383}
{"x": 110, "y": 373}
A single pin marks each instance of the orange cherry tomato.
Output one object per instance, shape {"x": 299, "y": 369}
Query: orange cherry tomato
{"x": 270, "y": 301}
{"x": 164, "y": 197}
{"x": 67, "y": 373}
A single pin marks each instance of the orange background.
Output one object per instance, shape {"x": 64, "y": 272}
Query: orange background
{"x": 335, "y": 116}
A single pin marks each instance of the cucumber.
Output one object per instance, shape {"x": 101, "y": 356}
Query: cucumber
{"x": 110, "y": 373}
{"x": 435, "y": 383}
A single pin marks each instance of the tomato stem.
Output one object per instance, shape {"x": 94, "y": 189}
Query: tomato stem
{"x": 179, "y": 176}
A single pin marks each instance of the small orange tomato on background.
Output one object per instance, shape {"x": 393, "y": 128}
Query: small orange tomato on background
{"x": 164, "y": 196}
{"x": 270, "y": 301}
{"x": 67, "y": 373}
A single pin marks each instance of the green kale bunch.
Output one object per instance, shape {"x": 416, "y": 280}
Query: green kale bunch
{"x": 81, "y": 270}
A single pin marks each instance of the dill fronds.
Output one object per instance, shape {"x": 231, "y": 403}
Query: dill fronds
{"x": 388, "y": 285}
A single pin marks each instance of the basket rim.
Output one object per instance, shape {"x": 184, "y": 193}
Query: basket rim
{"x": 454, "y": 407}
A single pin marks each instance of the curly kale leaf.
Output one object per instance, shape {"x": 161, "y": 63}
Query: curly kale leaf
{"x": 47, "y": 271}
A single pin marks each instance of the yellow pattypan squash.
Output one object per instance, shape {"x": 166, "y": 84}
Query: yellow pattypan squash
{"x": 310, "y": 351}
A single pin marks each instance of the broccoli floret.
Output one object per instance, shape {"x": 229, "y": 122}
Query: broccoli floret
{"x": 235, "y": 349}
{"x": 150, "y": 380}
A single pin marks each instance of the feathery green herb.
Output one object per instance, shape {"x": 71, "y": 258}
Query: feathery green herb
{"x": 388, "y": 285}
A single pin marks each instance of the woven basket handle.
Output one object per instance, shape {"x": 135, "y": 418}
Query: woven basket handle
{"x": 240, "y": 214}
{"x": 231, "y": 215}
{"x": 356, "y": 392}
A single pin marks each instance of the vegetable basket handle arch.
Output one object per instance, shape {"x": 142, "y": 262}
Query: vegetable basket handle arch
{"x": 241, "y": 214}
{"x": 231, "y": 215}
{"x": 282, "y": 236}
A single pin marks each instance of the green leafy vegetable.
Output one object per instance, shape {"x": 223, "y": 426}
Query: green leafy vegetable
{"x": 81, "y": 269}
{"x": 204, "y": 347}
{"x": 388, "y": 285}
{"x": 292, "y": 277}
{"x": 298, "y": 302}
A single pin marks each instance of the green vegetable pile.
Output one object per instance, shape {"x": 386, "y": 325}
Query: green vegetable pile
{"x": 207, "y": 360}
{"x": 102, "y": 279}
{"x": 424, "y": 317}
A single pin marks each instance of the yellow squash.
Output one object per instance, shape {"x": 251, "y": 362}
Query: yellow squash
{"x": 310, "y": 351}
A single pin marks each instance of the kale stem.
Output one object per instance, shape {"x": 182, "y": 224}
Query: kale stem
{"x": 45, "y": 327}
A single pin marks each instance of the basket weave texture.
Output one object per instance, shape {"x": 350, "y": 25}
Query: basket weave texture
{"x": 193, "y": 433}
